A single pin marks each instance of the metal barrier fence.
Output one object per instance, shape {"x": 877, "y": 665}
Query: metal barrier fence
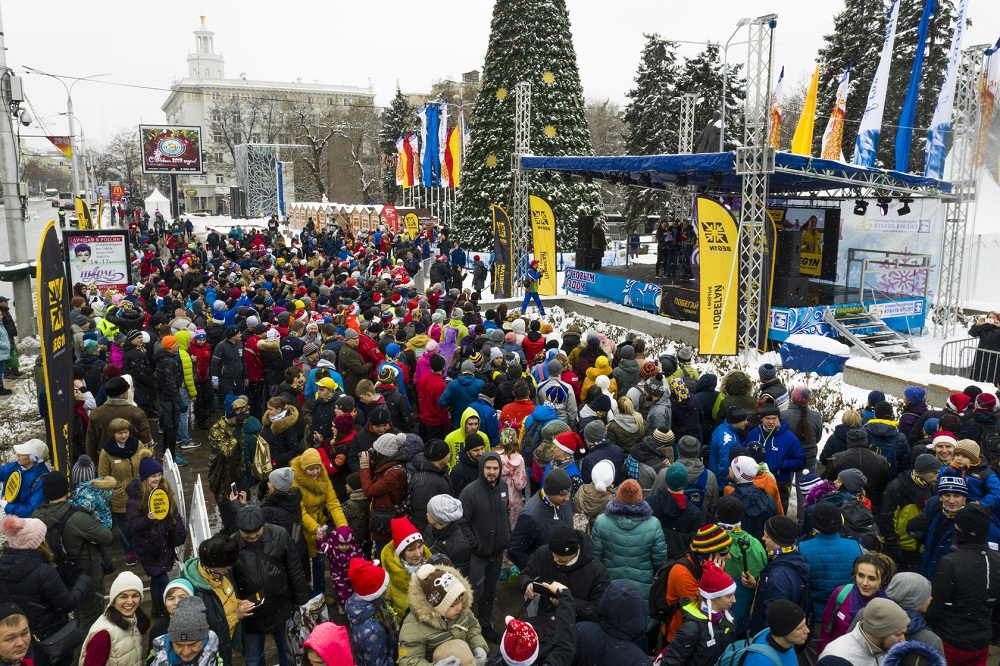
{"x": 965, "y": 359}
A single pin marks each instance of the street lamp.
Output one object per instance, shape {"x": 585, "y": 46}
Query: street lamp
{"x": 725, "y": 72}
{"x": 69, "y": 113}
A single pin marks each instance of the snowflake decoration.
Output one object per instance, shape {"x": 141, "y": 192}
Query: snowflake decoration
{"x": 550, "y": 131}
{"x": 501, "y": 94}
{"x": 549, "y": 78}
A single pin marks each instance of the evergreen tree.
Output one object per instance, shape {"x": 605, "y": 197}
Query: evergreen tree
{"x": 399, "y": 119}
{"x": 652, "y": 120}
{"x": 702, "y": 76}
{"x": 530, "y": 40}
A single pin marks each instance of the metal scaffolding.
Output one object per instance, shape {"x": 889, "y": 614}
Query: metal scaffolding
{"x": 754, "y": 161}
{"x": 520, "y": 218}
{"x": 685, "y": 137}
{"x": 965, "y": 123}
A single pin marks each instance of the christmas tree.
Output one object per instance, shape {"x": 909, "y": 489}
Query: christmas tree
{"x": 530, "y": 40}
{"x": 398, "y": 120}
{"x": 702, "y": 76}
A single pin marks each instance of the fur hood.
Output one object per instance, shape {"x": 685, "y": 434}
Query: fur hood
{"x": 898, "y": 652}
{"x": 420, "y": 607}
{"x": 308, "y": 484}
{"x": 272, "y": 346}
{"x": 287, "y": 422}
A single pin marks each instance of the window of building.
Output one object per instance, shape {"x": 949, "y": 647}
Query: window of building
{"x": 310, "y": 99}
{"x": 218, "y": 156}
{"x": 220, "y": 179}
{"x": 218, "y": 137}
{"x": 216, "y": 96}
{"x": 217, "y": 115}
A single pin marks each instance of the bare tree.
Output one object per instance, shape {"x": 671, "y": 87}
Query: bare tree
{"x": 313, "y": 128}
{"x": 607, "y": 131}
{"x": 121, "y": 159}
{"x": 360, "y": 131}
{"x": 243, "y": 118}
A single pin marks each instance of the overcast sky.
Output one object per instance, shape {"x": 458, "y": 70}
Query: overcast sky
{"x": 350, "y": 42}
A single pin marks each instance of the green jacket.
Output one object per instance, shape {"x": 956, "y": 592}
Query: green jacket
{"x": 630, "y": 543}
{"x": 83, "y": 538}
{"x": 187, "y": 365}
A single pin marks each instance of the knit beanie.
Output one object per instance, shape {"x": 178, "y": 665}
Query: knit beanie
{"x": 884, "y": 617}
{"x": 564, "y": 540}
{"x": 967, "y": 448}
{"x": 711, "y": 539}
{"x": 801, "y": 395}
{"x": 676, "y": 477}
{"x": 282, "y": 478}
{"x": 629, "y": 492}
{"x": 441, "y": 588}
{"x": 557, "y": 482}
{"x": 784, "y": 617}
{"x": 973, "y": 522}
{"x": 189, "y": 621}
{"x": 389, "y": 444}
{"x": 445, "y": 509}
{"x": 952, "y": 484}
{"x": 909, "y": 589}
{"x": 926, "y": 462}
{"x": 179, "y": 583}
{"x": 852, "y": 480}
{"x": 856, "y": 437}
{"x": 663, "y": 436}
{"x": 553, "y": 428}
{"x": 148, "y": 467}
{"x": 883, "y": 411}
{"x": 782, "y": 530}
{"x": 594, "y": 431}
{"x": 827, "y": 518}
{"x": 603, "y": 475}
{"x": 83, "y": 471}
{"x": 914, "y": 394}
{"x": 689, "y": 447}
{"x": 729, "y": 510}
{"x": 26, "y": 533}
{"x": 125, "y": 581}
{"x": 744, "y": 469}
{"x": 55, "y": 485}
{"x": 767, "y": 371}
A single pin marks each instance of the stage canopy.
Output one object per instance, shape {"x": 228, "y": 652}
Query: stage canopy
{"x": 717, "y": 171}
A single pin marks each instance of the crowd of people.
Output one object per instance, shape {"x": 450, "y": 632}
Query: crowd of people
{"x": 393, "y": 456}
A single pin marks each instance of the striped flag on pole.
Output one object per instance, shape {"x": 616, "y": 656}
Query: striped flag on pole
{"x": 866, "y": 145}
{"x": 941, "y": 123}
{"x": 834, "y": 135}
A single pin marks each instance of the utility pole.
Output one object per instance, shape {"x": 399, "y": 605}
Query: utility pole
{"x": 13, "y": 213}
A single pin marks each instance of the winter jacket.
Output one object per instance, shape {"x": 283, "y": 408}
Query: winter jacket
{"x": 284, "y": 509}
{"x": 678, "y": 518}
{"x": 424, "y": 629}
{"x": 426, "y": 481}
{"x": 399, "y": 577}
{"x": 271, "y": 568}
{"x": 903, "y": 500}
{"x": 201, "y": 357}
{"x": 781, "y": 450}
{"x": 29, "y": 493}
{"x": 153, "y": 541}
{"x": 464, "y": 473}
{"x": 621, "y": 624}
{"x": 26, "y": 576}
{"x": 694, "y": 644}
{"x": 489, "y": 423}
{"x": 936, "y": 532}
{"x": 963, "y": 583}
{"x": 459, "y": 394}
{"x": 430, "y": 387}
{"x": 534, "y": 526}
{"x": 373, "y": 631}
{"x": 122, "y": 464}
{"x": 884, "y": 437}
{"x": 168, "y": 377}
{"x": 759, "y": 506}
{"x": 837, "y": 619}
{"x": 830, "y": 557}
{"x": 835, "y": 443}
{"x": 659, "y": 414}
{"x": 187, "y": 363}
{"x": 699, "y": 483}
{"x": 875, "y": 468}
{"x": 624, "y": 431}
{"x": 451, "y": 542}
{"x": 486, "y": 523}
{"x": 603, "y": 450}
{"x": 785, "y": 577}
{"x": 385, "y": 485}
{"x": 626, "y": 375}
{"x": 646, "y": 460}
{"x": 855, "y": 648}
{"x": 228, "y": 363}
{"x": 736, "y": 392}
{"x": 319, "y": 502}
{"x": 911, "y": 413}
{"x": 282, "y": 436}
{"x": 98, "y": 430}
{"x": 791, "y": 416}
{"x": 557, "y": 394}
{"x": 456, "y": 438}
{"x": 214, "y": 611}
{"x": 586, "y": 578}
{"x": 162, "y": 653}
{"x": 724, "y": 437}
{"x": 984, "y": 486}
{"x": 83, "y": 538}
{"x": 630, "y": 543}
{"x": 775, "y": 389}
{"x": 707, "y": 395}
{"x": 685, "y": 417}
{"x": 91, "y": 365}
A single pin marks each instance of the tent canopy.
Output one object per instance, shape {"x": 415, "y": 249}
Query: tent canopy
{"x": 717, "y": 171}
{"x": 157, "y": 202}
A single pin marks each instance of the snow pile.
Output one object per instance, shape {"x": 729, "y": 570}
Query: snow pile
{"x": 819, "y": 343}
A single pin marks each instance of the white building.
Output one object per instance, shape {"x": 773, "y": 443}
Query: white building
{"x": 193, "y": 99}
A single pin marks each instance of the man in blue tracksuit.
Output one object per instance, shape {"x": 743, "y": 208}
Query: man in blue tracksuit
{"x": 531, "y": 288}
{"x": 22, "y": 478}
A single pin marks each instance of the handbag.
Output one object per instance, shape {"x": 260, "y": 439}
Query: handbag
{"x": 62, "y": 642}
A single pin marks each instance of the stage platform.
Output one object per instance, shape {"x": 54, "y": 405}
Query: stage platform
{"x": 638, "y": 287}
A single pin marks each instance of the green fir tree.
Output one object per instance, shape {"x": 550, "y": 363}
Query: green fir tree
{"x": 702, "y": 76}
{"x": 399, "y": 119}
{"x": 530, "y": 40}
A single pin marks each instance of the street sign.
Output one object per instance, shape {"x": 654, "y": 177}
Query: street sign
{"x": 117, "y": 192}
{"x": 124, "y": 200}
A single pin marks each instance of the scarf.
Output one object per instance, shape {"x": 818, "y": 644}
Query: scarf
{"x": 123, "y": 451}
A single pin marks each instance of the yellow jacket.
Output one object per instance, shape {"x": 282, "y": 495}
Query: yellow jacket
{"x": 318, "y": 498}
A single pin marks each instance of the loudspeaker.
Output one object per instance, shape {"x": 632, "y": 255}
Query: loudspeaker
{"x": 788, "y": 254}
{"x": 790, "y": 292}
{"x": 584, "y": 240}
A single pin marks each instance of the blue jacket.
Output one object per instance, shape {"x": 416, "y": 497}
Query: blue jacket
{"x": 29, "y": 494}
{"x": 938, "y": 536}
{"x": 459, "y": 394}
{"x": 782, "y": 451}
{"x": 489, "y": 422}
{"x": 230, "y": 315}
{"x": 984, "y": 486}
{"x": 785, "y": 577}
{"x": 371, "y": 644}
{"x": 831, "y": 558}
{"x": 613, "y": 640}
{"x": 309, "y": 391}
{"x": 724, "y": 438}
{"x": 603, "y": 450}
{"x": 788, "y": 657}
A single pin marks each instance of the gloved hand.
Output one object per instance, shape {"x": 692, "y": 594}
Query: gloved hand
{"x": 215, "y": 382}
{"x": 480, "y": 656}
{"x": 449, "y": 661}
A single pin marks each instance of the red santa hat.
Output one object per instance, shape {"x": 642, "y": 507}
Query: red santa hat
{"x": 568, "y": 442}
{"x": 958, "y": 402}
{"x": 519, "y": 646}
{"x": 396, "y": 300}
{"x": 369, "y": 580}
{"x": 404, "y": 533}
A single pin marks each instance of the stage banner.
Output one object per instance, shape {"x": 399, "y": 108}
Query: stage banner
{"x": 935, "y": 147}
{"x": 391, "y": 217}
{"x": 777, "y": 112}
{"x": 56, "y": 341}
{"x": 719, "y": 278}
{"x": 623, "y": 291}
{"x": 543, "y": 231}
{"x": 503, "y": 272}
{"x": 84, "y": 220}
{"x": 99, "y": 259}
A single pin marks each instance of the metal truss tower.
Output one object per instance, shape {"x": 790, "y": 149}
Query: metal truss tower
{"x": 964, "y": 123}
{"x": 685, "y": 137}
{"x": 520, "y": 219}
{"x": 755, "y": 161}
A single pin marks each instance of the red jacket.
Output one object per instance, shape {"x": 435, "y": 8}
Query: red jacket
{"x": 334, "y": 455}
{"x": 532, "y": 348}
{"x": 570, "y": 378}
{"x": 429, "y": 389}
{"x": 202, "y": 359}
{"x": 255, "y": 365}
{"x": 513, "y": 415}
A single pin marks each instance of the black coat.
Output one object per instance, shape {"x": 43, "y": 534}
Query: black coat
{"x": 284, "y": 509}
{"x": 426, "y": 482}
{"x": 693, "y": 645}
{"x": 586, "y": 578}
{"x": 486, "y": 512}
{"x": 685, "y": 418}
{"x": 282, "y": 437}
{"x": 678, "y": 524}
{"x": 168, "y": 377}
{"x": 135, "y": 363}
{"x": 28, "y": 579}
{"x": 986, "y": 367}
{"x": 463, "y": 473}
{"x": 835, "y": 443}
{"x": 964, "y": 579}
{"x": 872, "y": 465}
{"x": 612, "y": 640}
{"x": 271, "y": 568}
{"x": 450, "y": 542}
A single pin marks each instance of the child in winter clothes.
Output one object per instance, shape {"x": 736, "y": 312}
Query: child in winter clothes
{"x": 340, "y": 548}
{"x": 372, "y": 622}
{"x": 984, "y": 486}
{"x": 356, "y": 509}
{"x": 707, "y": 627}
{"x": 94, "y": 497}
{"x": 440, "y": 609}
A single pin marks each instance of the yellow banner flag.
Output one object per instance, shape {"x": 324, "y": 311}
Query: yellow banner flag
{"x": 84, "y": 221}
{"x": 719, "y": 278}
{"x": 803, "y": 139}
{"x": 543, "y": 231}
{"x": 100, "y": 213}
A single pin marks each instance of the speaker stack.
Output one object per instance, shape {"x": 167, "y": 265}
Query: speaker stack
{"x": 789, "y": 288}
{"x": 584, "y": 239}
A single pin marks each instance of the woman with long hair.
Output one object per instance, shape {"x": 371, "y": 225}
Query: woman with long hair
{"x": 628, "y": 427}
{"x": 116, "y": 637}
{"x": 871, "y": 573}
{"x": 154, "y": 537}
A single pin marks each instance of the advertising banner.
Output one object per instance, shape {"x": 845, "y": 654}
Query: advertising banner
{"x": 543, "y": 230}
{"x": 719, "y": 295}
{"x": 99, "y": 259}
{"x": 634, "y": 294}
{"x": 170, "y": 149}
{"x": 117, "y": 192}
{"x": 84, "y": 220}
{"x": 63, "y": 143}
{"x": 391, "y": 217}
{"x": 56, "y": 341}
{"x": 412, "y": 223}
{"x": 503, "y": 266}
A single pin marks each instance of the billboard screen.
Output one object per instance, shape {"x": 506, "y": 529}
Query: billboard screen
{"x": 98, "y": 259}
{"x": 174, "y": 149}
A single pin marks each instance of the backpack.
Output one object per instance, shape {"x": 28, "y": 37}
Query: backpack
{"x": 841, "y": 596}
{"x": 756, "y": 509}
{"x": 885, "y": 447}
{"x": 67, "y": 568}
{"x": 659, "y": 609}
{"x": 370, "y": 352}
{"x": 859, "y": 524}
{"x": 696, "y": 492}
{"x": 261, "y": 465}
{"x": 532, "y": 437}
{"x": 989, "y": 442}
{"x": 737, "y": 652}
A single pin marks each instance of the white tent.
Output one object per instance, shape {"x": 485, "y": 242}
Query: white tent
{"x": 157, "y": 202}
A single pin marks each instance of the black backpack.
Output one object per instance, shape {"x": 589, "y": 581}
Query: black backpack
{"x": 659, "y": 609}
{"x": 989, "y": 442}
{"x": 67, "y": 568}
{"x": 859, "y": 524}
